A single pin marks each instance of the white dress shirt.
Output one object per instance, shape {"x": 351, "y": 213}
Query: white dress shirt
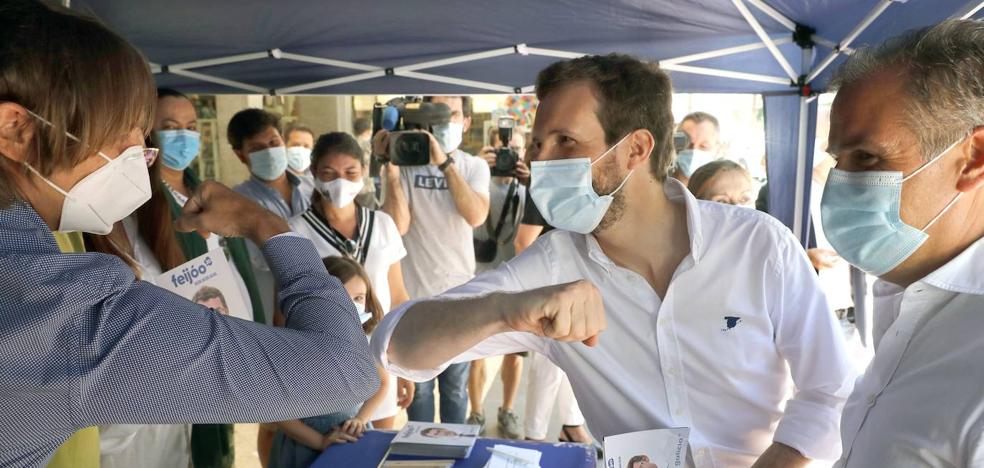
{"x": 921, "y": 402}
{"x": 743, "y": 319}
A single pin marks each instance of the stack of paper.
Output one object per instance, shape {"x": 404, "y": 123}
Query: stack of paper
{"x": 507, "y": 456}
{"x": 659, "y": 447}
{"x": 435, "y": 440}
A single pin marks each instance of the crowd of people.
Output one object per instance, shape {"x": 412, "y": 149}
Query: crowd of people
{"x": 635, "y": 279}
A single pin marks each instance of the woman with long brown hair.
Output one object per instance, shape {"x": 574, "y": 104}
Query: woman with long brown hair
{"x": 83, "y": 342}
{"x": 145, "y": 242}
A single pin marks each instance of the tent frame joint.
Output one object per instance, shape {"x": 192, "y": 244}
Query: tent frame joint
{"x": 803, "y": 36}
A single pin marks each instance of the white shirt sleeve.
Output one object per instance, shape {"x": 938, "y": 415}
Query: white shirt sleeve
{"x": 501, "y": 279}
{"x": 810, "y": 339}
{"x": 476, "y": 172}
{"x": 391, "y": 241}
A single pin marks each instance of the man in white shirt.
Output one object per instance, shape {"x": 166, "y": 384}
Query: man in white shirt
{"x": 436, "y": 207}
{"x": 709, "y": 313}
{"x": 904, "y": 203}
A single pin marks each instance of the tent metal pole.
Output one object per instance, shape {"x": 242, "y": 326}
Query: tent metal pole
{"x": 332, "y": 82}
{"x": 727, "y": 74}
{"x": 457, "y": 60}
{"x": 832, "y": 45}
{"x": 224, "y": 60}
{"x": 217, "y": 80}
{"x": 800, "y": 205}
{"x": 456, "y": 81}
{"x": 968, "y": 10}
{"x": 764, "y": 37}
{"x": 553, "y": 53}
{"x": 724, "y": 52}
{"x": 774, "y": 14}
{"x": 791, "y": 25}
{"x": 328, "y": 62}
{"x": 851, "y": 36}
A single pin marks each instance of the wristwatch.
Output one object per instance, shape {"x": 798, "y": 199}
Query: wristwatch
{"x": 447, "y": 163}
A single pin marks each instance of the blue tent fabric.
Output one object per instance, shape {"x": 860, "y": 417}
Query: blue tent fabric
{"x": 782, "y": 116}
{"x": 393, "y": 33}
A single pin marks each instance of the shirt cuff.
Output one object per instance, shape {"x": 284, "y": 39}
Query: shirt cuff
{"x": 811, "y": 428}
{"x": 379, "y": 347}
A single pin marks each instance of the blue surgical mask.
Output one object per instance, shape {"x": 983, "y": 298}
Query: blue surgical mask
{"x": 860, "y": 217}
{"x": 268, "y": 164}
{"x": 449, "y": 135}
{"x": 687, "y": 161}
{"x": 179, "y": 147}
{"x": 562, "y": 191}
{"x": 298, "y": 158}
{"x": 363, "y": 315}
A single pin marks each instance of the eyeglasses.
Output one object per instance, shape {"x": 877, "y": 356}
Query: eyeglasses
{"x": 150, "y": 155}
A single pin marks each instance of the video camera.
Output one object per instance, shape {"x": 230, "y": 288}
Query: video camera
{"x": 505, "y": 157}
{"x": 401, "y": 117}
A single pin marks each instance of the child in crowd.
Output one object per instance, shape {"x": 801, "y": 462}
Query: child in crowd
{"x": 298, "y": 443}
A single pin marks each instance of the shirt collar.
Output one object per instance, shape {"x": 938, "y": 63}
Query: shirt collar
{"x": 292, "y": 179}
{"x": 963, "y": 274}
{"x": 677, "y": 193}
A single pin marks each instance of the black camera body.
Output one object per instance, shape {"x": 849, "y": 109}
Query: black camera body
{"x": 404, "y": 118}
{"x": 506, "y": 158}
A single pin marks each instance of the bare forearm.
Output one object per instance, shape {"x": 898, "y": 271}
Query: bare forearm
{"x": 525, "y": 235}
{"x": 471, "y": 206}
{"x": 395, "y": 203}
{"x": 302, "y": 433}
{"x": 781, "y": 456}
{"x": 458, "y": 325}
{"x": 372, "y": 404}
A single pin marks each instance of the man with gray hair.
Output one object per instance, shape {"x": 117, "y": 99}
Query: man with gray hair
{"x": 904, "y": 204}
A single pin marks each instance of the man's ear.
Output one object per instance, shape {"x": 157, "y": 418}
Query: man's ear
{"x": 467, "y": 124}
{"x": 17, "y": 128}
{"x": 241, "y": 155}
{"x": 972, "y": 174}
{"x": 641, "y": 144}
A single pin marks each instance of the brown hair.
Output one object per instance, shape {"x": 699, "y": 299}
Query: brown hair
{"x": 705, "y": 173}
{"x": 345, "y": 269}
{"x": 632, "y": 95}
{"x": 76, "y": 74}
{"x": 207, "y": 293}
{"x": 297, "y": 127}
{"x": 637, "y": 459}
{"x": 249, "y": 122}
{"x": 466, "y": 104}
{"x": 701, "y": 117}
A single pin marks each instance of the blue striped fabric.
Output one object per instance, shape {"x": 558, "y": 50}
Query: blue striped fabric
{"x": 82, "y": 344}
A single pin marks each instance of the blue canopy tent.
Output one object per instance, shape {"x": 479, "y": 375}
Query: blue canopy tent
{"x": 783, "y": 49}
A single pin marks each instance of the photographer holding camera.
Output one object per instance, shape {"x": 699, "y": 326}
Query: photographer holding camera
{"x": 435, "y": 206}
{"x": 494, "y": 246}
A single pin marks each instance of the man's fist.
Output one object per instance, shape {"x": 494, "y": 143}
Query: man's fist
{"x": 217, "y": 208}
{"x": 564, "y": 312}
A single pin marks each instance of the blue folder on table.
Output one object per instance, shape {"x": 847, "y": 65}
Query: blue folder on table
{"x": 369, "y": 451}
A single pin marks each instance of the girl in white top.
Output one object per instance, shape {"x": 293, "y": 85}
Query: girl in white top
{"x": 339, "y": 227}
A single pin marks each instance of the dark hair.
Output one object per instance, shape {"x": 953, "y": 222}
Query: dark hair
{"x": 297, "y": 127}
{"x": 208, "y": 293}
{"x": 170, "y": 92}
{"x": 249, "y": 122}
{"x": 632, "y": 95}
{"x": 75, "y": 73}
{"x": 361, "y": 125}
{"x": 336, "y": 143}
{"x": 700, "y": 117}
{"x": 345, "y": 268}
{"x": 466, "y": 104}
{"x": 705, "y": 173}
